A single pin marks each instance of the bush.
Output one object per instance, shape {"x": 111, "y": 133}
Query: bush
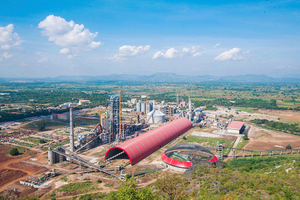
{"x": 200, "y": 125}
{"x": 14, "y": 152}
{"x": 245, "y": 137}
{"x": 41, "y": 141}
{"x": 41, "y": 125}
{"x": 184, "y": 138}
{"x": 52, "y": 194}
{"x": 99, "y": 181}
{"x": 288, "y": 146}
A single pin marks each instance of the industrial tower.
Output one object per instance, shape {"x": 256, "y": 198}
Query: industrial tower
{"x": 115, "y": 115}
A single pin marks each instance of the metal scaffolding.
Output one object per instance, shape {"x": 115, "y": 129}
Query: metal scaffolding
{"x": 114, "y": 116}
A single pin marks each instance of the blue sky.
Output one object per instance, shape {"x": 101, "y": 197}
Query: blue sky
{"x": 52, "y": 38}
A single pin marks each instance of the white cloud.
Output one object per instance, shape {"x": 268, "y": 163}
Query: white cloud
{"x": 197, "y": 54}
{"x": 216, "y": 45}
{"x": 173, "y": 53}
{"x": 288, "y": 67}
{"x": 72, "y": 56}
{"x": 64, "y": 51}
{"x": 246, "y": 52}
{"x": 231, "y": 54}
{"x": 8, "y": 39}
{"x": 43, "y": 57}
{"x": 7, "y": 56}
{"x": 127, "y": 51}
{"x": 68, "y": 34}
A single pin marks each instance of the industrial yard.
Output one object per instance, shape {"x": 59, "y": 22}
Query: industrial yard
{"x": 95, "y": 150}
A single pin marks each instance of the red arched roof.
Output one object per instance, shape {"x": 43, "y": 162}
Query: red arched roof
{"x": 177, "y": 163}
{"x": 142, "y": 146}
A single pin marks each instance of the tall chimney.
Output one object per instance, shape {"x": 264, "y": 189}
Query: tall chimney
{"x": 190, "y": 109}
{"x": 71, "y": 131}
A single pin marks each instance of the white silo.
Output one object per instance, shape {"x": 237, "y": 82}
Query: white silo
{"x": 138, "y": 106}
{"x": 149, "y": 107}
{"x": 155, "y": 116}
{"x": 143, "y": 107}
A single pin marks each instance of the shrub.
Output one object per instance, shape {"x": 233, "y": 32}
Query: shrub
{"x": 288, "y": 146}
{"x": 184, "y": 138}
{"x": 99, "y": 181}
{"x": 42, "y": 141}
{"x": 245, "y": 137}
{"x": 14, "y": 152}
{"x": 41, "y": 125}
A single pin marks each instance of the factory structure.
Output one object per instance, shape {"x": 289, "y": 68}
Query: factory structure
{"x": 132, "y": 141}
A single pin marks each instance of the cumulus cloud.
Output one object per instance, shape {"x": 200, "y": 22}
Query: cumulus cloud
{"x": 68, "y": 34}
{"x": 43, "y": 57}
{"x": 6, "y": 55}
{"x": 72, "y": 56}
{"x": 173, "y": 53}
{"x": 231, "y": 54}
{"x": 8, "y": 38}
{"x": 127, "y": 51}
{"x": 246, "y": 52}
{"x": 64, "y": 51}
{"x": 197, "y": 54}
{"x": 216, "y": 45}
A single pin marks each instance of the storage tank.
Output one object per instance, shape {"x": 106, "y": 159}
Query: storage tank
{"x": 138, "y": 106}
{"x": 156, "y": 116}
{"x": 143, "y": 107}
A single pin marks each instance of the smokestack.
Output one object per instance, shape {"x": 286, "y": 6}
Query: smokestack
{"x": 71, "y": 131}
{"x": 190, "y": 109}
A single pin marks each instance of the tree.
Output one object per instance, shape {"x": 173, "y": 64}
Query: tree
{"x": 245, "y": 137}
{"x": 41, "y": 125}
{"x": 14, "y": 152}
{"x": 128, "y": 190}
{"x": 288, "y": 146}
{"x": 41, "y": 141}
{"x": 171, "y": 187}
{"x": 200, "y": 125}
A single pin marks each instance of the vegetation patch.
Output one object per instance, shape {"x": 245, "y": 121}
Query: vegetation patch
{"x": 80, "y": 187}
{"x": 278, "y": 126}
{"x": 15, "y": 151}
{"x": 36, "y": 140}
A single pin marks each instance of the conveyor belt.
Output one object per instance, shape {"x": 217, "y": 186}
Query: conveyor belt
{"x": 83, "y": 161}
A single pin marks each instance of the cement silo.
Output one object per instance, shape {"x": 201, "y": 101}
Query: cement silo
{"x": 143, "y": 107}
{"x": 138, "y": 106}
{"x": 149, "y": 107}
{"x": 155, "y": 116}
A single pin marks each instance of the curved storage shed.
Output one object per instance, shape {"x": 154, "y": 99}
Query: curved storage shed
{"x": 142, "y": 146}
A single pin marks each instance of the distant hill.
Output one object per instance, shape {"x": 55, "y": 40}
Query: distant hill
{"x": 163, "y": 77}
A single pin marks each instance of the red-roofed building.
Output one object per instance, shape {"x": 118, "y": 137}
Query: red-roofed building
{"x": 236, "y": 127}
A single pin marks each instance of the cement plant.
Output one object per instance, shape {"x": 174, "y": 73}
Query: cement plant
{"x": 131, "y": 136}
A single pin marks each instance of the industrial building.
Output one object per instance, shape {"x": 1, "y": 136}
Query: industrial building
{"x": 83, "y": 102}
{"x": 168, "y": 110}
{"x": 140, "y": 147}
{"x": 236, "y": 127}
{"x": 67, "y": 105}
{"x": 63, "y": 117}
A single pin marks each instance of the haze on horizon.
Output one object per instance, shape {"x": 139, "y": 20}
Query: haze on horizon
{"x": 93, "y": 38}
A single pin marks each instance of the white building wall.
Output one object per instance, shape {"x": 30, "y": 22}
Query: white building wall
{"x": 233, "y": 131}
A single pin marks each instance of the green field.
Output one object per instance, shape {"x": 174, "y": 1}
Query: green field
{"x": 35, "y": 140}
